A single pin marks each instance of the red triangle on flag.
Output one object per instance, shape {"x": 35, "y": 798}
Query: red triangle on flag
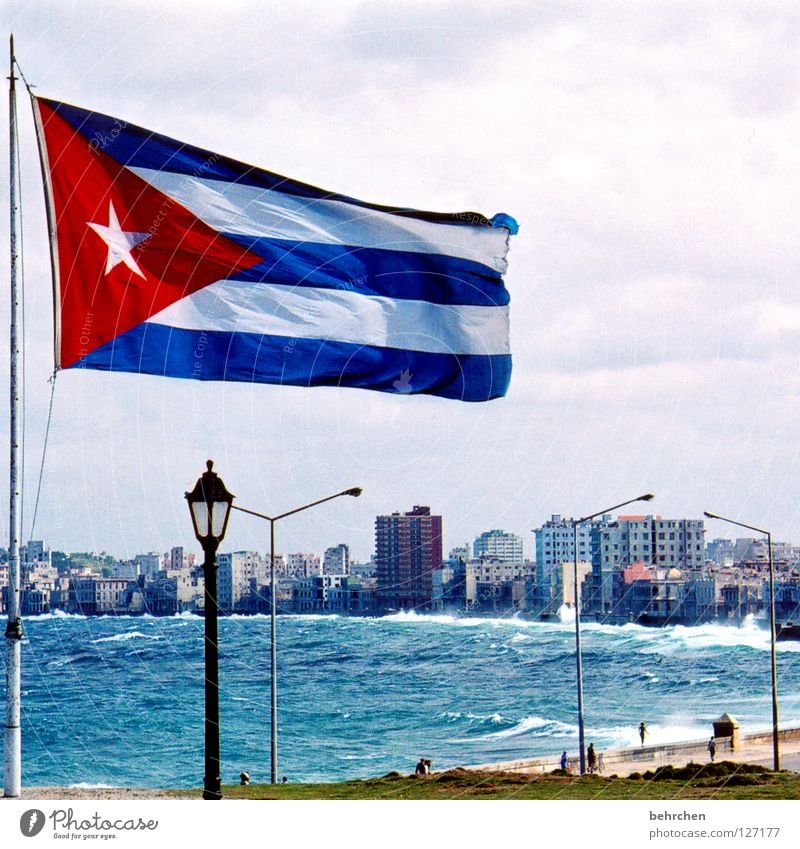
{"x": 126, "y": 251}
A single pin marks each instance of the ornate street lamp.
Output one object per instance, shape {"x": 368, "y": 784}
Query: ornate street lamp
{"x": 210, "y": 506}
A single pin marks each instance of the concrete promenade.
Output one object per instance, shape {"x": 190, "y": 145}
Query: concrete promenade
{"x": 750, "y": 748}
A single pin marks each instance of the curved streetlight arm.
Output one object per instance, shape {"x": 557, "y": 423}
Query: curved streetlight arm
{"x": 734, "y": 522}
{"x": 354, "y": 491}
{"x": 648, "y": 497}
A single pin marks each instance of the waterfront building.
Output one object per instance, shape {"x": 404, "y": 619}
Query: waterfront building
{"x": 787, "y": 598}
{"x": 746, "y": 548}
{"x": 499, "y": 545}
{"x": 741, "y": 599}
{"x": 125, "y": 569}
{"x": 339, "y": 594}
{"x": 94, "y": 595}
{"x": 336, "y": 560}
{"x": 33, "y": 555}
{"x": 484, "y": 583}
{"x": 460, "y": 552}
{"x": 147, "y": 564}
{"x": 178, "y": 560}
{"x": 239, "y": 575}
{"x": 660, "y": 543}
{"x": 561, "y": 588}
{"x": 555, "y": 546}
{"x": 301, "y": 565}
{"x": 408, "y": 548}
{"x": 362, "y": 570}
{"x": 451, "y": 589}
{"x": 720, "y": 551}
{"x": 315, "y": 594}
{"x": 653, "y": 596}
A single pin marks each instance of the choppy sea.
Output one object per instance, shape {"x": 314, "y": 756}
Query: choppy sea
{"x": 119, "y": 700}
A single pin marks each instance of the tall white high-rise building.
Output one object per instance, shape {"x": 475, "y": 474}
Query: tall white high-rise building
{"x": 336, "y": 560}
{"x": 501, "y": 545}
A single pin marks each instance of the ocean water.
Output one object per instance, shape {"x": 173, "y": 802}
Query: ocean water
{"x": 118, "y": 701}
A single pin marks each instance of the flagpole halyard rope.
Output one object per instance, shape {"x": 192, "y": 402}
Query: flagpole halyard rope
{"x": 52, "y": 381}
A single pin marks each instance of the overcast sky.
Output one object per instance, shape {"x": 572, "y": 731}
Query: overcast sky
{"x": 650, "y": 153}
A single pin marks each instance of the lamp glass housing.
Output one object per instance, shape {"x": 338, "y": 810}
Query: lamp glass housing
{"x": 209, "y": 506}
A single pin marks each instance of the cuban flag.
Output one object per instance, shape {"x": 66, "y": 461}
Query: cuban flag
{"x": 172, "y": 260}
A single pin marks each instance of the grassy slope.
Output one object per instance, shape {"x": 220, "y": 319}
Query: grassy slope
{"x": 724, "y": 780}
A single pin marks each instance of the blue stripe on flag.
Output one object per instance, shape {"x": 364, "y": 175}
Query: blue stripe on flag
{"x": 435, "y": 278}
{"x": 137, "y": 147}
{"x": 253, "y": 358}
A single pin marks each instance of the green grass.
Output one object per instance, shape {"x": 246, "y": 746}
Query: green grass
{"x": 725, "y": 780}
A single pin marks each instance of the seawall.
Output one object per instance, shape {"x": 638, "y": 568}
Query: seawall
{"x": 750, "y": 748}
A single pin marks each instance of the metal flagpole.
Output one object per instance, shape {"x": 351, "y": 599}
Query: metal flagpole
{"x": 273, "y": 659}
{"x": 12, "y": 740}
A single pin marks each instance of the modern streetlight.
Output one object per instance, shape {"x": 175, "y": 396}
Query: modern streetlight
{"x": 776, "y": 757}
{"x": 210, "y": 506}
{"x": 354, "y": 491}
{"x": 578, "y": 658}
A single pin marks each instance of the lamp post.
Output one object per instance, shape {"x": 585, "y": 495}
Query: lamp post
{"x": 776, "y": 758}
{"x": 578, "y": 658}
{"x": 210, "y": 506}
{"x": 354, "y": 491}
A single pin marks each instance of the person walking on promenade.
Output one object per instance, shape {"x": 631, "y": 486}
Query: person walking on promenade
{"x": 642, "y": 731}
{"x": 712, "y": 748}
{"x": 592, "y": 759}
{"x": 564, "y": 762}
{"x": 600, "y": 765}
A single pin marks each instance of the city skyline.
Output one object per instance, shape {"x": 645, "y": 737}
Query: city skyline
{"x": 753, "y": 544}
{"x": 654, "y": 319}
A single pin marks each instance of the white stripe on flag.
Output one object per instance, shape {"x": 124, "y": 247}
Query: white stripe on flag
{"x": 251, "y": 211}
{"x": 308, "y": 313}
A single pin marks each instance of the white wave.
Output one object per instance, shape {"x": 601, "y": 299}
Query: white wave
{"x": 413, "y": 616}
{"x": 55, "y": 614}
{"x": 452, "y": 715}
{"x": 246, "y": 617}
{"x": 65, "y": 661}
{"x": 627, "y": 736}
{"x": 455, "y": 715}
{"x": 566, "y": 614}
{"x": 130, "y": 635}
{"x": 535, "y": 726}
{"x": 83, "y": 785}
{"x": 311, "y": 617}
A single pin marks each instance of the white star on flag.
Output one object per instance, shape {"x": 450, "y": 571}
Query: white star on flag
{"x": 119, "y": 242}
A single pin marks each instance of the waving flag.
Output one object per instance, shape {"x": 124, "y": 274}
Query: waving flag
{"x": 175, "y": 261}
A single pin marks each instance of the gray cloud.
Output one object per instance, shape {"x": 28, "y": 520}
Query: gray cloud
{"x": 649, "y": 157}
